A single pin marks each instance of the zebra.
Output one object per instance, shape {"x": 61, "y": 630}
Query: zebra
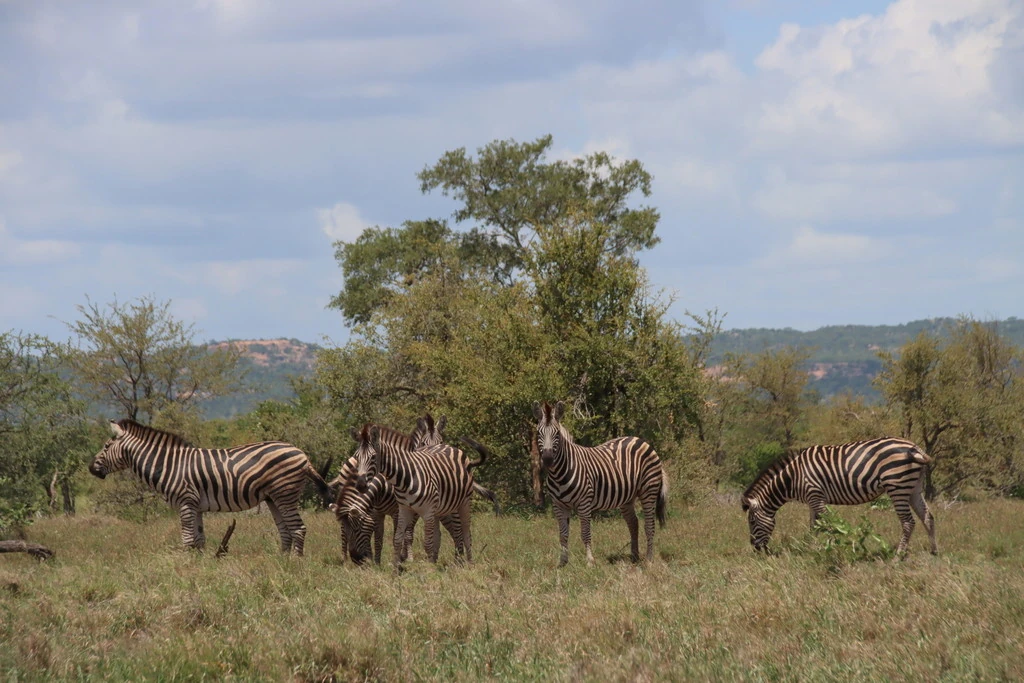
{"x": 197, "y": 480}
{"x": 613, "y": 475}
{"x": 847, "y": 474}
{"x": 361, "y": 515}
{"x": 434, "y": 482}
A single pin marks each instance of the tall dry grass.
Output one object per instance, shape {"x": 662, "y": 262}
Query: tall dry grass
{"x": 122, "y": 602}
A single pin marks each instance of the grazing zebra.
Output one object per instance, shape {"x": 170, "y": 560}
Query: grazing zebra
{"x": 197, "y": 480}
{"x": 849, "y": 474}
{"x": 361, "y": 515}
{"x": 612, "y": 475}
{"x": 434, "y": 482}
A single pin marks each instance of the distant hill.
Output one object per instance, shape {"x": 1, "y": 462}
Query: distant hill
{"x": 845, "y": 357}
{"x": 269, "y": 365}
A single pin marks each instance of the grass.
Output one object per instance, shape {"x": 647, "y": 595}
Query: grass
{"x": 121, "y": 602}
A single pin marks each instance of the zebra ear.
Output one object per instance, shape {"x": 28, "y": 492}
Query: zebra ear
{"x": 537, "y": 412}
{"x": 559, "y": 409}
{"x": 442, "y": 422}
{"x": 355, "y": 435}
{"x": 116, "y": 429}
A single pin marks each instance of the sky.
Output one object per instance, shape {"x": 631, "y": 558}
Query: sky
{"x": 814, "y": 163}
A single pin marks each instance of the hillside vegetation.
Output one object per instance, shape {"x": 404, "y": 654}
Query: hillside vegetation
{"x": 844, "y": 357}
{"x": 708, "y": 608}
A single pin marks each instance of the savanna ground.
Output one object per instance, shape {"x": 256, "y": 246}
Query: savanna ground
{"x": 121, "y": 601}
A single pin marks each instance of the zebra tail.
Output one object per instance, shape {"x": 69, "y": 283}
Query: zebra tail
{"x": 321, "y": 486}
{"x": 920, "y": 456}
{"x": 662, "y": 504}
{"x": 489, "y": 495}
{"x": 479, "y": 449}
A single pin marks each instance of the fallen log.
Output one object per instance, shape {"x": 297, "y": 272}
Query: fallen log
{"x": 40, "y": 552}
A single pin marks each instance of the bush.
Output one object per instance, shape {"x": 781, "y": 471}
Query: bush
{"x": 843, "y": 543}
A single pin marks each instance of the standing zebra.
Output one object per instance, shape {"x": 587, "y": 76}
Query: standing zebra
{"x": 849, "y": 474}
{"x": 433, "y": 483}
{"x": 612, "y": 475}
{"x": 197, "y": 480}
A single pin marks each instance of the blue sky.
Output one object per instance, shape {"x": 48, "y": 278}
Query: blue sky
{"x": 814, "y": 163}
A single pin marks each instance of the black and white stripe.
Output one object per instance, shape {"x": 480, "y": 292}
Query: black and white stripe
{"x": 197, "y": 480}
{"x": 848, "y": 474}
{"x": 361, "y": 513}
{"x": 433, "y": 483}
{"x": 611, "y": 476}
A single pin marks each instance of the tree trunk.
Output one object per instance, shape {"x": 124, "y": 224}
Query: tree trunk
{"x": 929, "y": 487}
{"x": 37, "y": 551}
{"x": 68, "y": 495}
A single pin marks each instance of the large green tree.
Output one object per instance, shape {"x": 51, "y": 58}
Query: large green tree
{"x": 539, "y": 296}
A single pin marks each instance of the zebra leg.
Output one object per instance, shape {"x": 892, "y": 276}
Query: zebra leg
{"x": 562, "y": 515}
{"x": 451, "y": 524}
{"x": 650, "y": 507}
{"x": 585, "y": 534}
{"x": 431, "y": 539}
{"x": 467, "y": 532}
{"x": 816, "y": 501}
{"x": 200, "y": 534}
{"x": 920, "y": 506}
{"x": 409, "y": 534}
{"x": 629, "y": 514}
{"x": 378, "y": 537}
{"x": 405, "y": 519}
{"x": 189, "y": 531}
{"x": 282, "y": 528}
{"x": 902, "y": 507}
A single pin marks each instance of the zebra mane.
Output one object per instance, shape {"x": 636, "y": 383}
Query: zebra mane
{"x": 401, "y": 437}
{"x": 384, "y": 432}
{"x": 138, "y": 429}
{"x": 773, "y": 468}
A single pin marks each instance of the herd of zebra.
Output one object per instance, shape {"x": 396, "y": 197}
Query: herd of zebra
{"x": 417, "y": 475}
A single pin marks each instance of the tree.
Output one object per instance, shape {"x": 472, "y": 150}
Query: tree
{"x": 42, "y": 430}
{"x": 961, "y": 399}
{"x": 765, "y": 397}
{"x": 510, "y": 194}
{"x": 141, "y": 361}
{"x": 540, "y": 297}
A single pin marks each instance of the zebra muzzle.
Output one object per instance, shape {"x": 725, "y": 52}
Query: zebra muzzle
{"x": 97, "y": 470}
{"x": 361, "y": 483}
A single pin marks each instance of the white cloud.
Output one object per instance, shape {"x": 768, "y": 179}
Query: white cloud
{"x": 852, "y": 193}
{"x": 916, "y": 76}
{"x": 19, "y": 252}
{"x": 253, "y": 276}
{"x": 342, "y": 222}
{"x": 814, "y": 249}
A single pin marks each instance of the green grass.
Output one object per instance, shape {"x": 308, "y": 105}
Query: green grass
{"x": 120, "y": 601}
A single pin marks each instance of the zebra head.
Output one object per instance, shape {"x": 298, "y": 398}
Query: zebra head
{"x": 113, "y": 456}
{"x": 549, "y": 430}
{"x": 357, "y": 526}
{"x": 760, "y": 520}
{"x": 367, "y": 448}
{"x": 428, "y": 432}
